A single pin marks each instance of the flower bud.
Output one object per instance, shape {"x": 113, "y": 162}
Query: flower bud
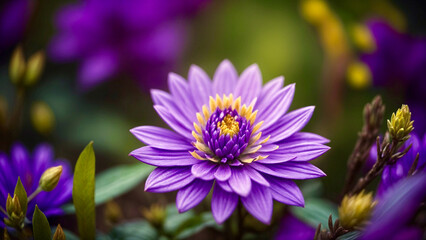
{"x": 155, "y": 214}
{"x": 17, "y": 66}
{"x": 315, "y": 11}
{"x": 59, "y": 233}
{"x": 363, "y": 38}
{"x": 14, "y": 210}
{"x": 50, "y": 178}
{"x": 42, "y": 118}
{"x": 34, "y": 69}
{"x": 359, "y": 76}
{"x": 355, "y": 210}
{"x": 400, "y": 125}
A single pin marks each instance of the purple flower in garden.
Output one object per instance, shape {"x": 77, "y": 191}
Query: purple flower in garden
{"x": 14, "y": 16}
{"x": 30, "y": 168}
{"x": 397, "y": 171}
{"x": 231, "y": 134}
{"x": 293, "y": 228}
{"x": 141, "y": 38}
{"x": 399, "y": 64}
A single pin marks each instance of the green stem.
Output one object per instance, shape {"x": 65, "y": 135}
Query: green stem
{"x": 34, "y": 194}
{"x": 240, "y": 216}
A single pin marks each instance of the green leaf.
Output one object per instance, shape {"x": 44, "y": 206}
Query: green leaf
{"x": 134, "y": 231}
{"x": 41, "y": 227}
{"x": 316, "y": 211}
{"x": 116, "y": 181}
{"x": 83, "y": 193}
{"x": 22, "y": 195}
{"x": 174, "y": 219}
{"x": 196, "y": 224}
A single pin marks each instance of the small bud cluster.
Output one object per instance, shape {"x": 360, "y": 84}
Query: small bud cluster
{"x": 15, "y": 212}
{"x": 26, "y": 73}
{"x": 400, "y": 125}
{"x": 355, "y": 210}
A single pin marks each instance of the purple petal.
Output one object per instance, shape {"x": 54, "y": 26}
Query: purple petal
{"x": 307, "y": 137}
{"x": 223, "y": 172}
{"x": 271, "y": 87}
{"x": 225, "y": 78}
{"x": 20, "y": 157}
{"x": 163, "y": 158}
{"x": 192, "y": 194}
{"x": 97, "y": 68}
{"x": 171, "y": 121}
{"x": 275, "y": 158}
{"x": 168, "y": 179}
{"x": 43, "y": 155}
{"x": 223, "y": 204}
{"x": 274, "y": 108}
{"x": 161, "y": 138}
{"x": 290, "y": 170}
{"x": 259, "y": 203}
{"x": 249, "y": 84}
{"x": 289, "y": 124}
{"x": 166, "y": 100}
{"x": 256, "y": 176}
{"x": 239, "y": 181}
{"x": 225, "y": 186}
{"x": 200, "y": 85}
{"x": 204, "y": 169}
{"x": 180, "y": 91}
{"x": 286, "y": 191}
{"x": 304, "y": 151}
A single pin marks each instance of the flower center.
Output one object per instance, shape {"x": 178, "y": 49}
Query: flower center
{"x": 228, "y": 126}
{"x": 226, "y": 132}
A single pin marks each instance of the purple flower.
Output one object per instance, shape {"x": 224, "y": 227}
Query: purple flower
{"x": 30, "y": 168}
{"x": 399, "y": 64}
{"x": 140, "y": 38}
{"x": 14, "y": 16}
{"x": 391, "y": 217}
{"x": 293, "y": 228}
{"x": 393, "y": 173}
{"x": 231, "y": 133}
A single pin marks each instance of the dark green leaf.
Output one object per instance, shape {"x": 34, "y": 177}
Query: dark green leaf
{"x": 316, "y": 211}
{"x": 41, "y": 227}
{"x": 84, "y": 193}
{"x": 22, "y": 195}
{"x": 350, "y": 236}
{"x": 134, "y": 231}
{"x": 116, "y": 181}
{"x": 196, "y": 224}
{"x": 312, "y": 188}
{"x": 174, "y": 219}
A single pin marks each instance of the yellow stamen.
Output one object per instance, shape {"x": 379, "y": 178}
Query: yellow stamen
{"x": 195, "y": 155}
{"x": 228, "y": 126}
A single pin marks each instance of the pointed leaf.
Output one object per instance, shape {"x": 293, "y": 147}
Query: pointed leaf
{"x": 84, "y": 192}
{"x": 41, "y": 227}
{"x": 316, "y": 211}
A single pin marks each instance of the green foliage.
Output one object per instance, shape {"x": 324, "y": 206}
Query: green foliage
{"x": 350, "y": 236}
{"x": 84, "y": 193}
{"x": 195, "y": 225}
{"x": 22, "y": 196}
{"x": 133, "y": 231}
{"x": 116, "y": 181}
{"x": 41, "y": 227}
{"x": 316, "y": 211}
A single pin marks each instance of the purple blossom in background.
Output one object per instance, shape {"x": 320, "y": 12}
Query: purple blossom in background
{"x": 399, "y": 64}
{"x": 30, "y": 168}
{"x": 292, "y": 228}
{"x": 14, "y": 16}
{"x": 393, "y": 173}
{"x": 234, "y": 135}
{"x": 139, "y": 38}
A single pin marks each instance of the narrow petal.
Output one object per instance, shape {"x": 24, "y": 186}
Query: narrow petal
{"x": 223, "y": 172}
{"x": 163, "y": 158}
{"x": 256, "y": 176}
{"x": 225, "y": 78}
{"x": 271, "y": 87}
{"x": 290, "y": 170}
{"x": 161, "y": 138}
{"x": 289, "y": 124}
{"x": 249, "y": 84}
{"x": 304, "y": 151}
{"x": 239, "y": 181}
{"x": 200, "y": 86}
{"x": 225, "y": 186}
{"x": 223, "y": 204}
{"x": 275, "y": 158}
{"x": 97, "y": 68}
{"x": 20, "y": 157}
{"x": 286, "y": 191}
{"x": 259, "y": 203}
{"x": 168, "y": 179}
{"x": 307, "y": 137}
{"x": 171, "y": 121}
{"x": 180, "y": 91}
{"x": 274, "y": 109}
{"x": 43, "y": 154}
{"x": 204, "y": 170}
{"x": 191, "y": 195}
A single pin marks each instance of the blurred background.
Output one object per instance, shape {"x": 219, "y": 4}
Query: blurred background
{"x": 103, "y": 57}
